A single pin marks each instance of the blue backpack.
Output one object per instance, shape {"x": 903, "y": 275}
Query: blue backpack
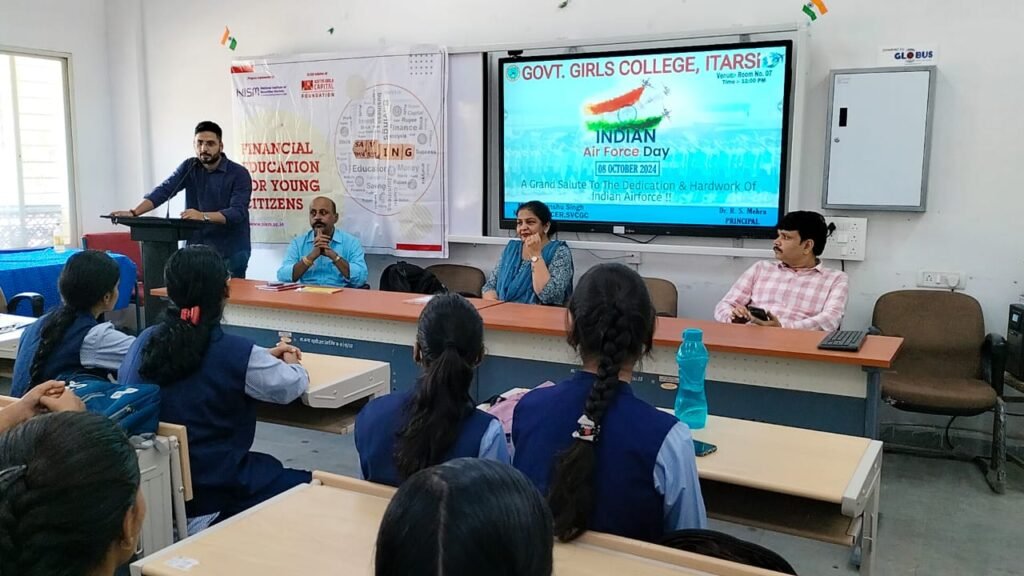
{"x": 135, "y": 408}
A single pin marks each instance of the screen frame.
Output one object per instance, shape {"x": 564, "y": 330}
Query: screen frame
{"x": 658, "y": 229}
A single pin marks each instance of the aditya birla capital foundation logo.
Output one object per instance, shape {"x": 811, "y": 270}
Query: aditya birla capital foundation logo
{"x": 317, "y": 85}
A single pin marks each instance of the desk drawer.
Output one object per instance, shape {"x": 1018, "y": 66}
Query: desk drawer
{"x": 777, "y": 512}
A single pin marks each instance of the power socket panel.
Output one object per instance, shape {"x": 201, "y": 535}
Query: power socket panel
{"x": 848, "y": 241}
{"x": 945, "y": 280}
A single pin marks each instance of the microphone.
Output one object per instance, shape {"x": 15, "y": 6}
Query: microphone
{"x": 181, "y": 179}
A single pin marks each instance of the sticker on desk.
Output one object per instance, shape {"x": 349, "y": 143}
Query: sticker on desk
{"x": 182, "y": 563}
{"x": 420, "y": 299}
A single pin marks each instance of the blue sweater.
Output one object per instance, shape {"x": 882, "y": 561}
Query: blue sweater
{"x": 221, "y": 421}
{"x": 627, "y": 502}
{"x": 377, "y": 427}
{"x": 63, "y": 361}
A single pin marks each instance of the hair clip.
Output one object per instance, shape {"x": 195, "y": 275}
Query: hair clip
{"x": 191, "y": 315}
{"x": 13, "y": 471}
{"x": 587, "y": 429}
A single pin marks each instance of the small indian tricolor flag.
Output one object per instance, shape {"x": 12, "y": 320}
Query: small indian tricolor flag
{"x": 227, "y": 39}
{"x": 814, "y": 8}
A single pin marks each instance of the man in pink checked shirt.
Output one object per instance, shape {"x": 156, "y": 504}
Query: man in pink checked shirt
{"x": 795, "y": 290}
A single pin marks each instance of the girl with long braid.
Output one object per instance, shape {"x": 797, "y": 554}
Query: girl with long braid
{"x": 607, "y": 460}
{"x": 70, "y": 339}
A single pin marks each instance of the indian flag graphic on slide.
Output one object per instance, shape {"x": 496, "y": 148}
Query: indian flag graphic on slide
{"x": 629, "y": 111}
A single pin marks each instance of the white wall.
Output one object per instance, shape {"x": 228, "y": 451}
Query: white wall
{"x": 78, "y": 28}
{"x": 974, "y": 199}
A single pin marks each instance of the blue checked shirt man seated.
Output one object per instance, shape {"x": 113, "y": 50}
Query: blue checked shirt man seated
{"x": 324, "y": 256}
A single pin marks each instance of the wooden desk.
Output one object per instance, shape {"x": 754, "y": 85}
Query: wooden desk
{"x": 802, "y": 482}
{"x": 755, "y": 373}
{"x": 877, "y": 352}
{"x": 355, "y": 302}
{"x": 338, "y": 388}
{"x": 332, "y": 529}
{"x": 9, "y": 339}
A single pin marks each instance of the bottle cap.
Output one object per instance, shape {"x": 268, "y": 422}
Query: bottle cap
{"x": 693, "y": 334}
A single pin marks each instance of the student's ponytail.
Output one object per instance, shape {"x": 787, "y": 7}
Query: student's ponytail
{"x": 450, "y": 342}
{"x": 87, "y": 277}
{"x": 196, "y": 284}
{"x": 612, "y": 321}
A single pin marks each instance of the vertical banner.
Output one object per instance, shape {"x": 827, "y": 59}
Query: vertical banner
{"x": 369, "y": 132}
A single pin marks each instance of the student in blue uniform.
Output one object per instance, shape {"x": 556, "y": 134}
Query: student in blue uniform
{"x": 402, "y": 433}
{"x": 209, "y": 382}
{"x": 70, "y": 339}
{"x": 70, "y": 502}
{"x": 607, "y": 460}
{"x": 466, "y": 516}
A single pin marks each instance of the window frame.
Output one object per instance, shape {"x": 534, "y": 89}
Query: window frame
{"x": 67, "y": 75}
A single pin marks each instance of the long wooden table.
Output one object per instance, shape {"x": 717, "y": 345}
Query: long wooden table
{"x": 329, "y": 529}
{"x": 755, "y": 373}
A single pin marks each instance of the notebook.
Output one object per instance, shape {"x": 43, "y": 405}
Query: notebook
{"x": 278, "y": 286}
{"x": 320, "y": 289}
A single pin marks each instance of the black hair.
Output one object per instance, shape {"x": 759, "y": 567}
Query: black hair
{"x": 86, "y": 278}
{"x": 810, "y": 226}
{"x": 67, "y": 480}
{"x": 542, "y": 212}
{"x": 611, "y": 320}
{"x": 208, "y": 126}
{"x": 450, "y": 336}
{"x": 466, "y": 516}
{"x": 195, "y": 276}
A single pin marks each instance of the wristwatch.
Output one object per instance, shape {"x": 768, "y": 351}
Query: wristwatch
{"x": 206, "y": 217}
{"x": 336, "y": 258}
{"x": 533, "y": 259}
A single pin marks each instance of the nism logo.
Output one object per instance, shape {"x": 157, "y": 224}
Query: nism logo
{"x": 512, "y": 72}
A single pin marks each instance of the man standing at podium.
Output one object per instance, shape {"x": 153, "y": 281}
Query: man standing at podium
{"x": 217, "y": 191}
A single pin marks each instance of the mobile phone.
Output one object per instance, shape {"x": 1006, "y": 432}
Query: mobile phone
{"x": 758, "y": 313}
{"x": 703, "y": 448}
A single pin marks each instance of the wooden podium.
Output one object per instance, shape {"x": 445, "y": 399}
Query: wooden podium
{"x": 159, "y": 238}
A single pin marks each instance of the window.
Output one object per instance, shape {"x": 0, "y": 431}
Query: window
{"x": 36, "y": 183}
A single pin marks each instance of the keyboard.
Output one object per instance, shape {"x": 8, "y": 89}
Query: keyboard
{"x": 846, "y": 340}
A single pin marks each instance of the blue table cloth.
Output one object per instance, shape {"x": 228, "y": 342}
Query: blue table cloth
{"x": 38, "y": 270}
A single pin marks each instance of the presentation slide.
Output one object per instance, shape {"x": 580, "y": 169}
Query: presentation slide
{"x": 673, "y": 138}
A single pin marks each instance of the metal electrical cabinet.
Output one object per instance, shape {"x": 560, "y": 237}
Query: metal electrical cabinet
{"x": 879, "y": 138}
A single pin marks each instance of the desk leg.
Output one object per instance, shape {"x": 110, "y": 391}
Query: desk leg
{"x": 869, "y": 530}
{"x": 178, "y": 491}
{"x": 872, "y": 403}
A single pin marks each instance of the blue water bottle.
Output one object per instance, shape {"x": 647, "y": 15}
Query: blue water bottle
{"x": 692, "y": 358}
